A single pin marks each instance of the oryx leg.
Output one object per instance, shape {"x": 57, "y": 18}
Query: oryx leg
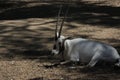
{"x": 64, "y": 62}
{"x": 94, "y": 60}
{"x": 56, "y": 64}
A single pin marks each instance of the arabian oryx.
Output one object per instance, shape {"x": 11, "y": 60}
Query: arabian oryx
{"x": 84, "y": 50}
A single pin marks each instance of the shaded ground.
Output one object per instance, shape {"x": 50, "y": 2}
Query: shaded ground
{"x": 26, "y": 37}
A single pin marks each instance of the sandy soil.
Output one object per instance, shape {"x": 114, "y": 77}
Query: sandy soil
{"x": 27, "y": 34}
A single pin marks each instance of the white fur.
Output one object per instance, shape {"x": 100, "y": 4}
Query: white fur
{"x": 88, "y": 51}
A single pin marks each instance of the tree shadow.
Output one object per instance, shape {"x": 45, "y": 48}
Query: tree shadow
{"x": 39, "y": 78}
{"x": 23, "y": 43}
{"x": 99, "y": 72}
{"x": 42, "y": 11}
{"x": 90, "y": 13}
{"x": 80, "y": 12}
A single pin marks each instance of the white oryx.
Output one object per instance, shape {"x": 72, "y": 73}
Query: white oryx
{"x": 83, "y": 50}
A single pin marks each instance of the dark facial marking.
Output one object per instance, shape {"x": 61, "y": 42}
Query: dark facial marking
{"x": 55, "y": 47}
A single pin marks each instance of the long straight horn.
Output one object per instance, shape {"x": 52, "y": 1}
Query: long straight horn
{"x": 63, "y": 21}
{"x": 57, "y": 23}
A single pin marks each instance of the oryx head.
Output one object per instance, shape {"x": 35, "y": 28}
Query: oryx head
{"x": 58, "y": 39}
{"x": 58, "y": 45}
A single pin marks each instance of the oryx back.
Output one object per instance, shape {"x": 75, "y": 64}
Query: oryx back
{"x": 84, "y": 50}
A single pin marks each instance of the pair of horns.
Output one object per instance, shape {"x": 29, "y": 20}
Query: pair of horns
{"x": 57, "y": 35}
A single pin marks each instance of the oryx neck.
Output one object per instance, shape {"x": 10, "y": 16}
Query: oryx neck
{"x": 62, "y": 47}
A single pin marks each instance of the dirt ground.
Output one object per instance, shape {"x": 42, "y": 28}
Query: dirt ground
{"x": 27, "y": 34}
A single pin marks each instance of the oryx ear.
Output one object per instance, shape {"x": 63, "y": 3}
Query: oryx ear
{"x": 57, "y": 34}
